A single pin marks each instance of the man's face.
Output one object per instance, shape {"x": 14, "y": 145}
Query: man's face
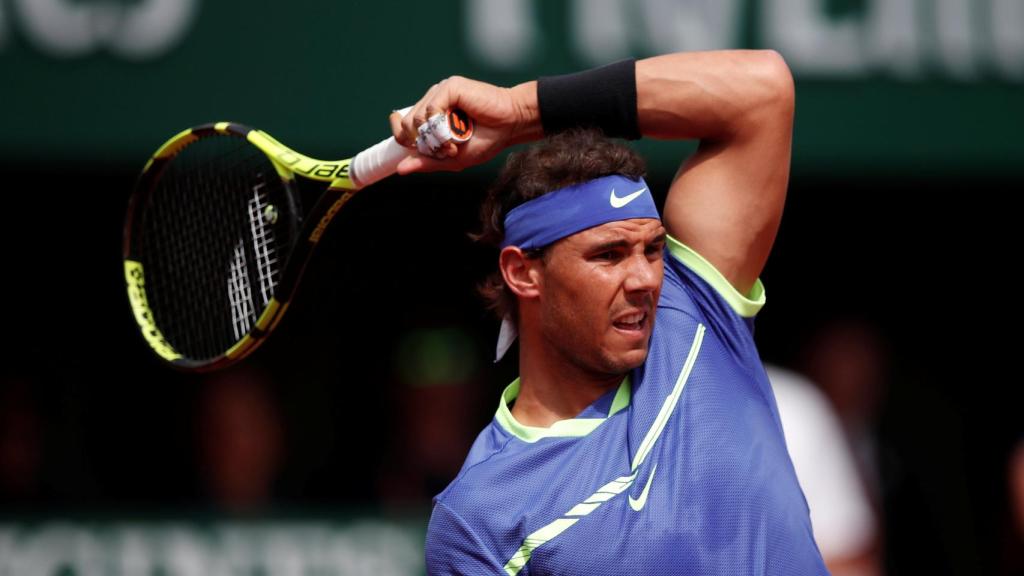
{"x": 599, "y": 290}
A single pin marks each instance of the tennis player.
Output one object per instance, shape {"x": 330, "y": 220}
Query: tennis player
{"x": 641, "y": 436}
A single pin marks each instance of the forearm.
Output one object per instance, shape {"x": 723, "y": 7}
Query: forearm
{"x": 694, "y": 95}
{"x": 717, "y": 96}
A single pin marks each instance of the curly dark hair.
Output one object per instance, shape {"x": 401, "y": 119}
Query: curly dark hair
{"x": 565, "y": 159}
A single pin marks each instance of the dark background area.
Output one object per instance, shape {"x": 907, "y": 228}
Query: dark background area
{"x": 928, "y": 260}
{"x": 901, "y": 218}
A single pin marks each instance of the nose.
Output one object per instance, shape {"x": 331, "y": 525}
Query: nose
{"x": 643, "y": 275}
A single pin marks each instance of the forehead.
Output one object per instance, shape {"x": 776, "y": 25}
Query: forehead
{"x": 632, "y": 230}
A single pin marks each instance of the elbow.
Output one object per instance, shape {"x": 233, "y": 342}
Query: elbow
{"x": 773, "y": 82}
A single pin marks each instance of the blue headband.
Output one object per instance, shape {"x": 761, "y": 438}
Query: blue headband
{"x": 566, "y": 211}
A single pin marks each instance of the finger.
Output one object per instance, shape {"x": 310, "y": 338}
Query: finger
{"x": 425, "y": 164}
{"x": 427, "y": 143}
{"x": 398, "y": 131}
{"x": 437, "y": 99}
{"x": 447, "y": 95}
{"x": 414, "y": 164}
{"x": 409, "y": 124}
{"x": 419, "y": 112}
{"x": 434, "y": 108}
{"x": 434, "y": 135}
{"x": 457, "y": 92}
{"x": 408, "y": 137}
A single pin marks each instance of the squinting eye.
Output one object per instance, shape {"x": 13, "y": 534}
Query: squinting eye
{"x": 607, "y": 256}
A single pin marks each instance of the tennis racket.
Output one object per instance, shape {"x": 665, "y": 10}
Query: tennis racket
{"x": 216, "y": 239}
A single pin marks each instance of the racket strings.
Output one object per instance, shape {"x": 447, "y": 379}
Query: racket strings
{"x": 212, "y": 242}
{"x": 262, "y": 215}
{"x": 240, "y": 293}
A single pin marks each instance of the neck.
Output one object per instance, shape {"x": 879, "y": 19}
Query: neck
{"x": 552, "y": 388}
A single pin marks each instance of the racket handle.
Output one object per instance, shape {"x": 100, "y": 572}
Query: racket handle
{"x": 378, "y": 161}
{"x": 382, "y": 159}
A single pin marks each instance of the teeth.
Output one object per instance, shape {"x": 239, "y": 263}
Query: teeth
{"x": 632, "y": 319}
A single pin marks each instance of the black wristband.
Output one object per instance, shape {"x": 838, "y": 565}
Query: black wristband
{"x": 602, "y": 98}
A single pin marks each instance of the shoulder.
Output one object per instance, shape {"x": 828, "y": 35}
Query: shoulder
{"x": 687, "y": 269}
{"x": 481, "y": 461}
{"x": 695, "y": 288}
{"x": 453, "y": 546}
{"x": 461, "y": 537}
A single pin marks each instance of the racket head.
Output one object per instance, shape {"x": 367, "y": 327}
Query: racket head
{"x": 210, "y": 226}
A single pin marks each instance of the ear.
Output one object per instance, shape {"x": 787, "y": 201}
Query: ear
{"x": 520, "y": 272}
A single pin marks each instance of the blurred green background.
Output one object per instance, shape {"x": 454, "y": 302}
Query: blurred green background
{"x": 337, "y": 433}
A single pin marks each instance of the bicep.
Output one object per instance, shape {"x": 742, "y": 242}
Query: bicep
{"x": 726, "y": 204}
{"x": 726, "y": 201}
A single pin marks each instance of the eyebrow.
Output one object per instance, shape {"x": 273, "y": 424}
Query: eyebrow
{"x": 660, "y": 238}
{"x": 609, "y": 246}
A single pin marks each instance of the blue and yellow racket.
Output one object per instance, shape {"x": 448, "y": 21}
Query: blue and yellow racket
{"x": 215, "y": 240}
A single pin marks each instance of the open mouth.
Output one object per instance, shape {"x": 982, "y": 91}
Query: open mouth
{"x": 631, "y": 322}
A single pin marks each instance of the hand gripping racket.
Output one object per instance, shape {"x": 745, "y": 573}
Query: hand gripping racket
{"x": 215, "y": 240}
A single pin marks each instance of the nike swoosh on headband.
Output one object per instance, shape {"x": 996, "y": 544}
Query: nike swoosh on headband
{"x": 618, "y": 202}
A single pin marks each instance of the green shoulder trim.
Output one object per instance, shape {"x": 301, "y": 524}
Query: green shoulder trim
{"x": 746, "y": 306}
{"x": 619, "y": 485}
{"x": 563, "y": 428}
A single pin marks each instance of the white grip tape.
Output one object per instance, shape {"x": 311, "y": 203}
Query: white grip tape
{"x": 380, "y": 160}
{"x": 435, "y": 133}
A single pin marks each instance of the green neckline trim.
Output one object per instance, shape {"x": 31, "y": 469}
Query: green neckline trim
{"x": 573, "y": 427}
{"x": 746, "y": 306}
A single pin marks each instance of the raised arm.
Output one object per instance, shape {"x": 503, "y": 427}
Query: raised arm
{"x": 725, "y": 202}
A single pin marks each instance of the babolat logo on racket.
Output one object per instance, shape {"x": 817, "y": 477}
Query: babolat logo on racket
{"x": 143, "y": 315}
{"x": 308, "y": 167}
{"x": 328, "y": 216}
{"x": 236, "y": 188}
{"x": 460, "y": 125}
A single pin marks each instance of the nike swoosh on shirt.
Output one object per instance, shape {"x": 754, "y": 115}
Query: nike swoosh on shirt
{"x": 637, "y": 504}
{"x": 553, "y": 529}
{"x": 618, "y": 202}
